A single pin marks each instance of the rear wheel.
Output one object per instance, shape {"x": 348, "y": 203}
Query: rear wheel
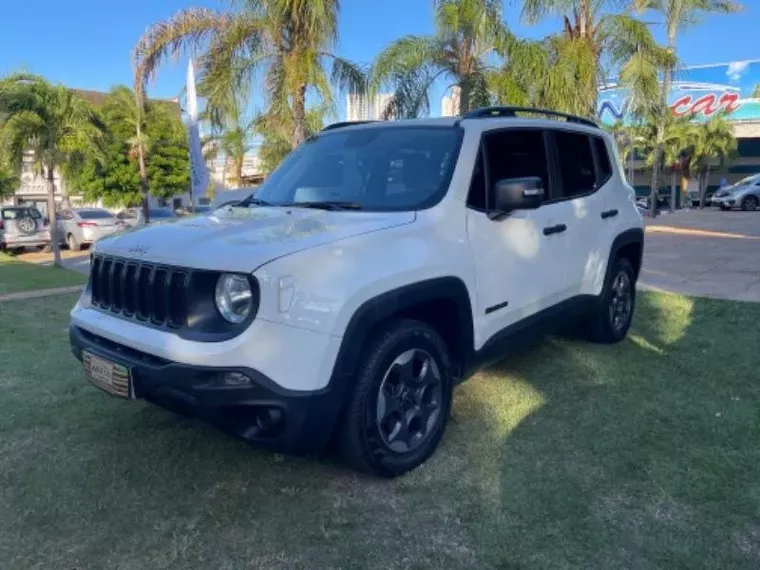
{"x": 398, "y": 410}
{"x": 72, "y": 242}
{"x": 749, "y": 203}
{"x": 613, "y": 315}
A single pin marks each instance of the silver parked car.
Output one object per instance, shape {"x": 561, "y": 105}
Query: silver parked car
{"x": 745, "y": 194}
{"x": 81, "y": 226}
{"x": 133, "y": 217}
{"x": 22, "y": 226}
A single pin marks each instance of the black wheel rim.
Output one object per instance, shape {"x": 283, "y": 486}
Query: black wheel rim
{"x": 409, "y": 401}
{"x": 750, "y": 203}
{"x": 621, "y": 301}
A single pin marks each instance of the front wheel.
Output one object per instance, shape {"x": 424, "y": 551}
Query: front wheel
{"x": 613, "y": 315}
{"x": 749, "y": 204}
{"x": 400, "y": 404}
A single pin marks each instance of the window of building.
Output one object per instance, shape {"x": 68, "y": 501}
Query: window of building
{"x": 576, "y": 163}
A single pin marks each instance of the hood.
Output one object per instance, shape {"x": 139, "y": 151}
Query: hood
{"x": 242, "y": 239}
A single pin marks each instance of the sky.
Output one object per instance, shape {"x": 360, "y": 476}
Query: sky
{"x": 84, "y": 44}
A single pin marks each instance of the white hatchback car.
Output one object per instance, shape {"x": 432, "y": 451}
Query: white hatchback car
{"x": 378, "y": 266}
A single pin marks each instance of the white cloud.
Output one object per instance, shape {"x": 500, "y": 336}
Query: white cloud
{"x": 736, "y": 69}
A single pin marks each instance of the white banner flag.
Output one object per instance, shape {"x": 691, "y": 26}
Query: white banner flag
{"x": 198, "y": 172}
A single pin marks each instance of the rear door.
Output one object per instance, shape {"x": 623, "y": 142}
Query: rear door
{"x": 584, "y": 183}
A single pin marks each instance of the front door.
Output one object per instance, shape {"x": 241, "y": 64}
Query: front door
{"x": 519, "y": 259}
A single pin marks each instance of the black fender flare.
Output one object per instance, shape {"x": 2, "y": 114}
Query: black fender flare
{"x": 628, "y": 237}
{"x": 373, "y": 311}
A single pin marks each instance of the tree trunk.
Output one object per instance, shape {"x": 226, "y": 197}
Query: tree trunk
{"x": 143, "y": 174}
{"x": 54, "y": 239}
{"x": 465, "y": 92}
{"x": 64, "y": 192}
{"x": 239, "y": 169}
{"x": 704, "y": 179}
{"x": 660, "y": 136}
{"x": 299, "y": 116}
{"x": 673, "y": 203}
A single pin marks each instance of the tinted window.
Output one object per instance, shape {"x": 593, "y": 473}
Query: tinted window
{"x": 386, "y": 168}
{"x": 477, "y": 195}
{"x": 516, "y": 153}
{"x": 16, "y": 213}
{"x": 603, "y": 158}
{"x": 161, "y": 214}
{"x": 94, "y": 214}
{"x": 576, "y": 163}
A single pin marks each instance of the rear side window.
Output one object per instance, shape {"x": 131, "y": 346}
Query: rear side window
{"x": 576, "y": 163}
{"x": 602, "y": 159}
{"x": 94, "y": 214}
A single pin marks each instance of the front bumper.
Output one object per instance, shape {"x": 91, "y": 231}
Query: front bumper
{"x": 261, "y": 412}
{"x": 27, "y": 241}
{"x": 725, "y": 201}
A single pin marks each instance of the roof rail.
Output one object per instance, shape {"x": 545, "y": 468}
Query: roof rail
{"x": 498, "y": 112}
{"x": 345, "y": 124}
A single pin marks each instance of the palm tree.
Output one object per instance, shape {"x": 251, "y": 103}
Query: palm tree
{"x": 54, "y": 123}
{"x": 467, "y": 33}
{"x": 289, "y": 42}
{"x": 710, "y": 141}
{"x": 677, "y": 14}
{"x": 9, "y": 181}
{"x": 756, "y": 92}
{"x": 276, "y": 143}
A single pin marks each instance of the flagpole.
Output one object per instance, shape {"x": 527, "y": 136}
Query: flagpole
{"x": 199, "y": 176}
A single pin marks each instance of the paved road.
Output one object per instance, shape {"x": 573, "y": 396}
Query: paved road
{"x": 721, "y": 259}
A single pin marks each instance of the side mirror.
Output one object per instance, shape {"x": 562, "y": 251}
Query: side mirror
{"x": 518, "y": 194}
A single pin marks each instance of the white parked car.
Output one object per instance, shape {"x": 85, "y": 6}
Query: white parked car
{"x": 78, "y": 227}
{"x": 347, "y": 300}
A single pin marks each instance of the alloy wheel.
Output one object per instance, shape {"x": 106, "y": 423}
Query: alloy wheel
{"x": 409, "y": 401}
{"x": 621, "y": 301}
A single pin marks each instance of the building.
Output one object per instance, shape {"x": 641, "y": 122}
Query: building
{"x": 701, "y": 92}
{"x": 360, "y": 108}
{"x": 450, "y": 103}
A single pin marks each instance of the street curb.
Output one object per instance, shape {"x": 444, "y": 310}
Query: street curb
{"x": 21, "y": 295}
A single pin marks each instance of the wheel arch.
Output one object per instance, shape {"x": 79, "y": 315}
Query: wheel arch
{"x": 628, "y": 244}
{"x": 434, "y": 301}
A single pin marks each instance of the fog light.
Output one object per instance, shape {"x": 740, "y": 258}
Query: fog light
{"x": 269, "y": 421}
{"x": 235, "y": 379}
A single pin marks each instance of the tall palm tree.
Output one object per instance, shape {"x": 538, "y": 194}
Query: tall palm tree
{"x": 274, "y": 131}
{"x": 467, "y": 33}
{"x": 710, "y": 141}
{"x": 288, "y": 42}
{"x": 54, "y": 123}
{"x": 677, "y": 14}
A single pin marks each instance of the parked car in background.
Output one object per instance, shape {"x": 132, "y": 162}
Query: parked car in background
{"x": 745, "y": 194}
{"x": 22, "y": 226}
{"x": 83, "y": 226}
{"x": 134, "y": 218}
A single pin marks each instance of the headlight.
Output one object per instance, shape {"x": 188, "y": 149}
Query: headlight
{"x": 234, "y": 297}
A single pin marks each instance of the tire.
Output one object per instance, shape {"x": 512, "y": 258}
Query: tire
{"x": 723, "y": 207}
{"x": 390, "y": 370}
{"x": 749, "y": 203}
{"x": 610, "y": 321}
{"x": 72, "y": 242}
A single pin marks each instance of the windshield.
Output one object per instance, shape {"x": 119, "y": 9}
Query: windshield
{"x": 382, "y": 169}
{"x": 94, "y": 214}
{"x": 745, "y": 181}
{"x": 161, "y": 214}
{"x": 17, "y": 213}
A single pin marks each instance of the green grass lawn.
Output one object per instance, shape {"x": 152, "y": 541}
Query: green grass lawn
{"x": 643, "y": 455}
{"x": 18, "y": 275}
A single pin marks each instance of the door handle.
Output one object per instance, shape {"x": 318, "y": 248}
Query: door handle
{"x": 558, "y": 229}
{"x": 609, "y": 214}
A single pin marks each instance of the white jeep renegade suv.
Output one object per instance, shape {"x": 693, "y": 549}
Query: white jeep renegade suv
{"x": 376, "y": 268}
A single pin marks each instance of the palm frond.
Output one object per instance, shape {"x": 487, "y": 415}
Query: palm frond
{"x": 409, "y": 54}
{"x": 189, "y": 28}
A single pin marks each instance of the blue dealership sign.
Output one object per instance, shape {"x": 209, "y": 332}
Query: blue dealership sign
{"x": 699, "y": 91}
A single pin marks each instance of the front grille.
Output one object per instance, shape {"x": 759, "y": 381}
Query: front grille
{"x": 140, "y": 290}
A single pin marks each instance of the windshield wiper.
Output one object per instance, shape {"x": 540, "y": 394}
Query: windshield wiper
{"x": 252, "y": 201}
{"x": 327, "y": 205}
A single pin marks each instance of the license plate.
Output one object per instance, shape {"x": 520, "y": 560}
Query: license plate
{"x": 106, "y": 375}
